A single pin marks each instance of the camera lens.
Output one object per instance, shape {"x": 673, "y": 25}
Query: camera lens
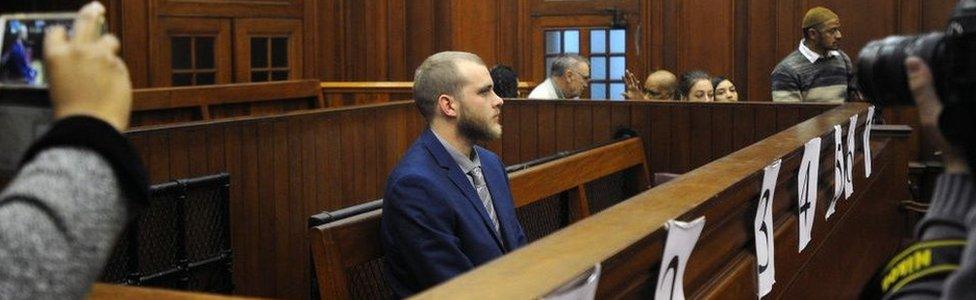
{"x": 881, "y": 72}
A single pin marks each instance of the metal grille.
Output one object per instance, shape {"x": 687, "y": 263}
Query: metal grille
{"x": 366, "y": 281}
{"x": 543, "y": 217}
{"x": 181, "y": 241}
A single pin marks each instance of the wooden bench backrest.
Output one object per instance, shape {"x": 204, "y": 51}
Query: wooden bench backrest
{"x": 354, "y": 241}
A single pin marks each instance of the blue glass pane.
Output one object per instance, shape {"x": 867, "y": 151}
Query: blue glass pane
{"x": 549, "y": 61}
{"x": 617, "y": 67}
{"x": 553, "y": 42}
{"x": 598, "y": 91}
{"x": 571, "y": 42}
{"x": 616, "y": 91}
{"x": 598, "y": 41}
{"x": 618, "y": 40}
{"x": 598, "y": 68}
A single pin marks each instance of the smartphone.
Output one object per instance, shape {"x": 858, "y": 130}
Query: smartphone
{"x": 25, "y": 108}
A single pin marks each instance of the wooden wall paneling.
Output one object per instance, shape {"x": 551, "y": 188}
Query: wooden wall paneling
{"x": 723, "y": 130}
{"x": 546, "y": 143}
{"x": 249, "y": 258}
{"x": 583, "y": 127}
{"x": 528, "y": 132}
{"x": 788, "y": 32}
{"x": 232, "y": 151}
{"x": 760, "y": 50}
{"x": 245, "y": 29}
{"x": 160, "y": 55}
{"x": 564, "y": 128}
{"x": 743, "y": 127}
{"x": 681, "y": 139}
{"x": 295, "y": 227}
{"x": 706, "y": 40}
{"x": 601, "y": 126}
{"x": 266, "y": 209}
{"x": 471, "y": 30}
{"x": 620, "y": 117}
{"x": 372, "y": 157}
{"x": 765, "y": 121}
{"x": 564, "y": 8}
{"x": 786, "y": 117}
{"x": 331, "y": 36}
{"x": 133, "y": 32}
{"x": 700, "y": 138}
{"x": 935, "y": 14}
{"x": 310, "y": 29}
{"x": 244, "y": 8}
{"x": 640, "y": 121}
{"x": 511, "y": 134}
{"x": 661, "y": 132}
{"x": 422, "y": 25}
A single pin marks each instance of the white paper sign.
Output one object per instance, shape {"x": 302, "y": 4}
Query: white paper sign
{"x": 838, "y": 170}
{"x": 682, "y": 238}
{"x": 849, "y": 169}
{"x": 807, "y": 190}
{"x": 868, "y": 124}
{"x": 581, "y": 288}
{"x": 765, "y": 266}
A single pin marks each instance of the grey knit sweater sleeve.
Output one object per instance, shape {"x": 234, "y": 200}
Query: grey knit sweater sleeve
{"x": 59, "y": 219}
{"x": 951, "y": 215}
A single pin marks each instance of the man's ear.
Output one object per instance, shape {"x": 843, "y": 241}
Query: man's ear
{"x": 448, "y": 105}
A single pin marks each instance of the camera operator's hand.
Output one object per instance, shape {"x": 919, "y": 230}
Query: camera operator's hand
{"x": 86, "y": 76}
{"x": 921, "y": 84}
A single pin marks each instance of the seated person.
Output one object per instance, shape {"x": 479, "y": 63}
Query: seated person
{"x": 724, "y": 90}
{"x": 696, "y": 86}
{"x": 448, "y": 207}
{"x": 506, "y": 81}
{"x": 569, "y": 76}
{"x": 660, "y": 85}
{"x": 81, "y": 182}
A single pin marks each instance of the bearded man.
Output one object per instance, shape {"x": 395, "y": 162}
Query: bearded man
{"x": 818, "y": 71}
{"x": 448, "y": 207}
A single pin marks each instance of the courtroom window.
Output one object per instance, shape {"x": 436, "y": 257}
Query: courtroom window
{"x": 269, "y": 58}
{"x": 192, "y": 60}
{"x": 607, "y": 63}
{"x": 560, "y": 41}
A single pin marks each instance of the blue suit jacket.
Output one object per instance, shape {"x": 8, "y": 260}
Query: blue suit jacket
{"x": 434, "y": 225}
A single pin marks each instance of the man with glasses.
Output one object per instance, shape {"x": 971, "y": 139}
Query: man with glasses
{"x": 568, "y": 78}
{"x": 818, "y": 71}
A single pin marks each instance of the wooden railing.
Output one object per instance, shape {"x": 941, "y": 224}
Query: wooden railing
{"x": 628, "y": 238}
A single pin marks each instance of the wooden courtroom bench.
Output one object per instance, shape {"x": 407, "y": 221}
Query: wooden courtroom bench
{"x": 628, "y": 238}
{"x": 348, "y": 253}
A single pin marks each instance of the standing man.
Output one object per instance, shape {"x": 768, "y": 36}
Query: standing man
{"x": 818, "y": 71}
{"x": 568, "y": 77}
{"x": 448, "y": 207}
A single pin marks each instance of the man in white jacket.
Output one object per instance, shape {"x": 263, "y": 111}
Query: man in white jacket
{"x": 569, "y": 76}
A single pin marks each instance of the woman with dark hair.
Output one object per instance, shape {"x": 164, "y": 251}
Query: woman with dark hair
{"x": 724, "y": 90}
{"x": 506, "y": 81}
{"x": 696, "y": 86}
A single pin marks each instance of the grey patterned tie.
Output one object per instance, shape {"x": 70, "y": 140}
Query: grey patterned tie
{"x": 479, "y": 184}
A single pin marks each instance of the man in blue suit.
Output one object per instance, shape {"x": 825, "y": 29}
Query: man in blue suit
{"x": 448, "y": 207}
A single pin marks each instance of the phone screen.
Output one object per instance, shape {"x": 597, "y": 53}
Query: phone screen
{"x": 22, "y": 50}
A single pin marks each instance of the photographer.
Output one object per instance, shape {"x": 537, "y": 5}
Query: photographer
{"x": 81, "y": 182}
{"x": 947, "y": 227}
